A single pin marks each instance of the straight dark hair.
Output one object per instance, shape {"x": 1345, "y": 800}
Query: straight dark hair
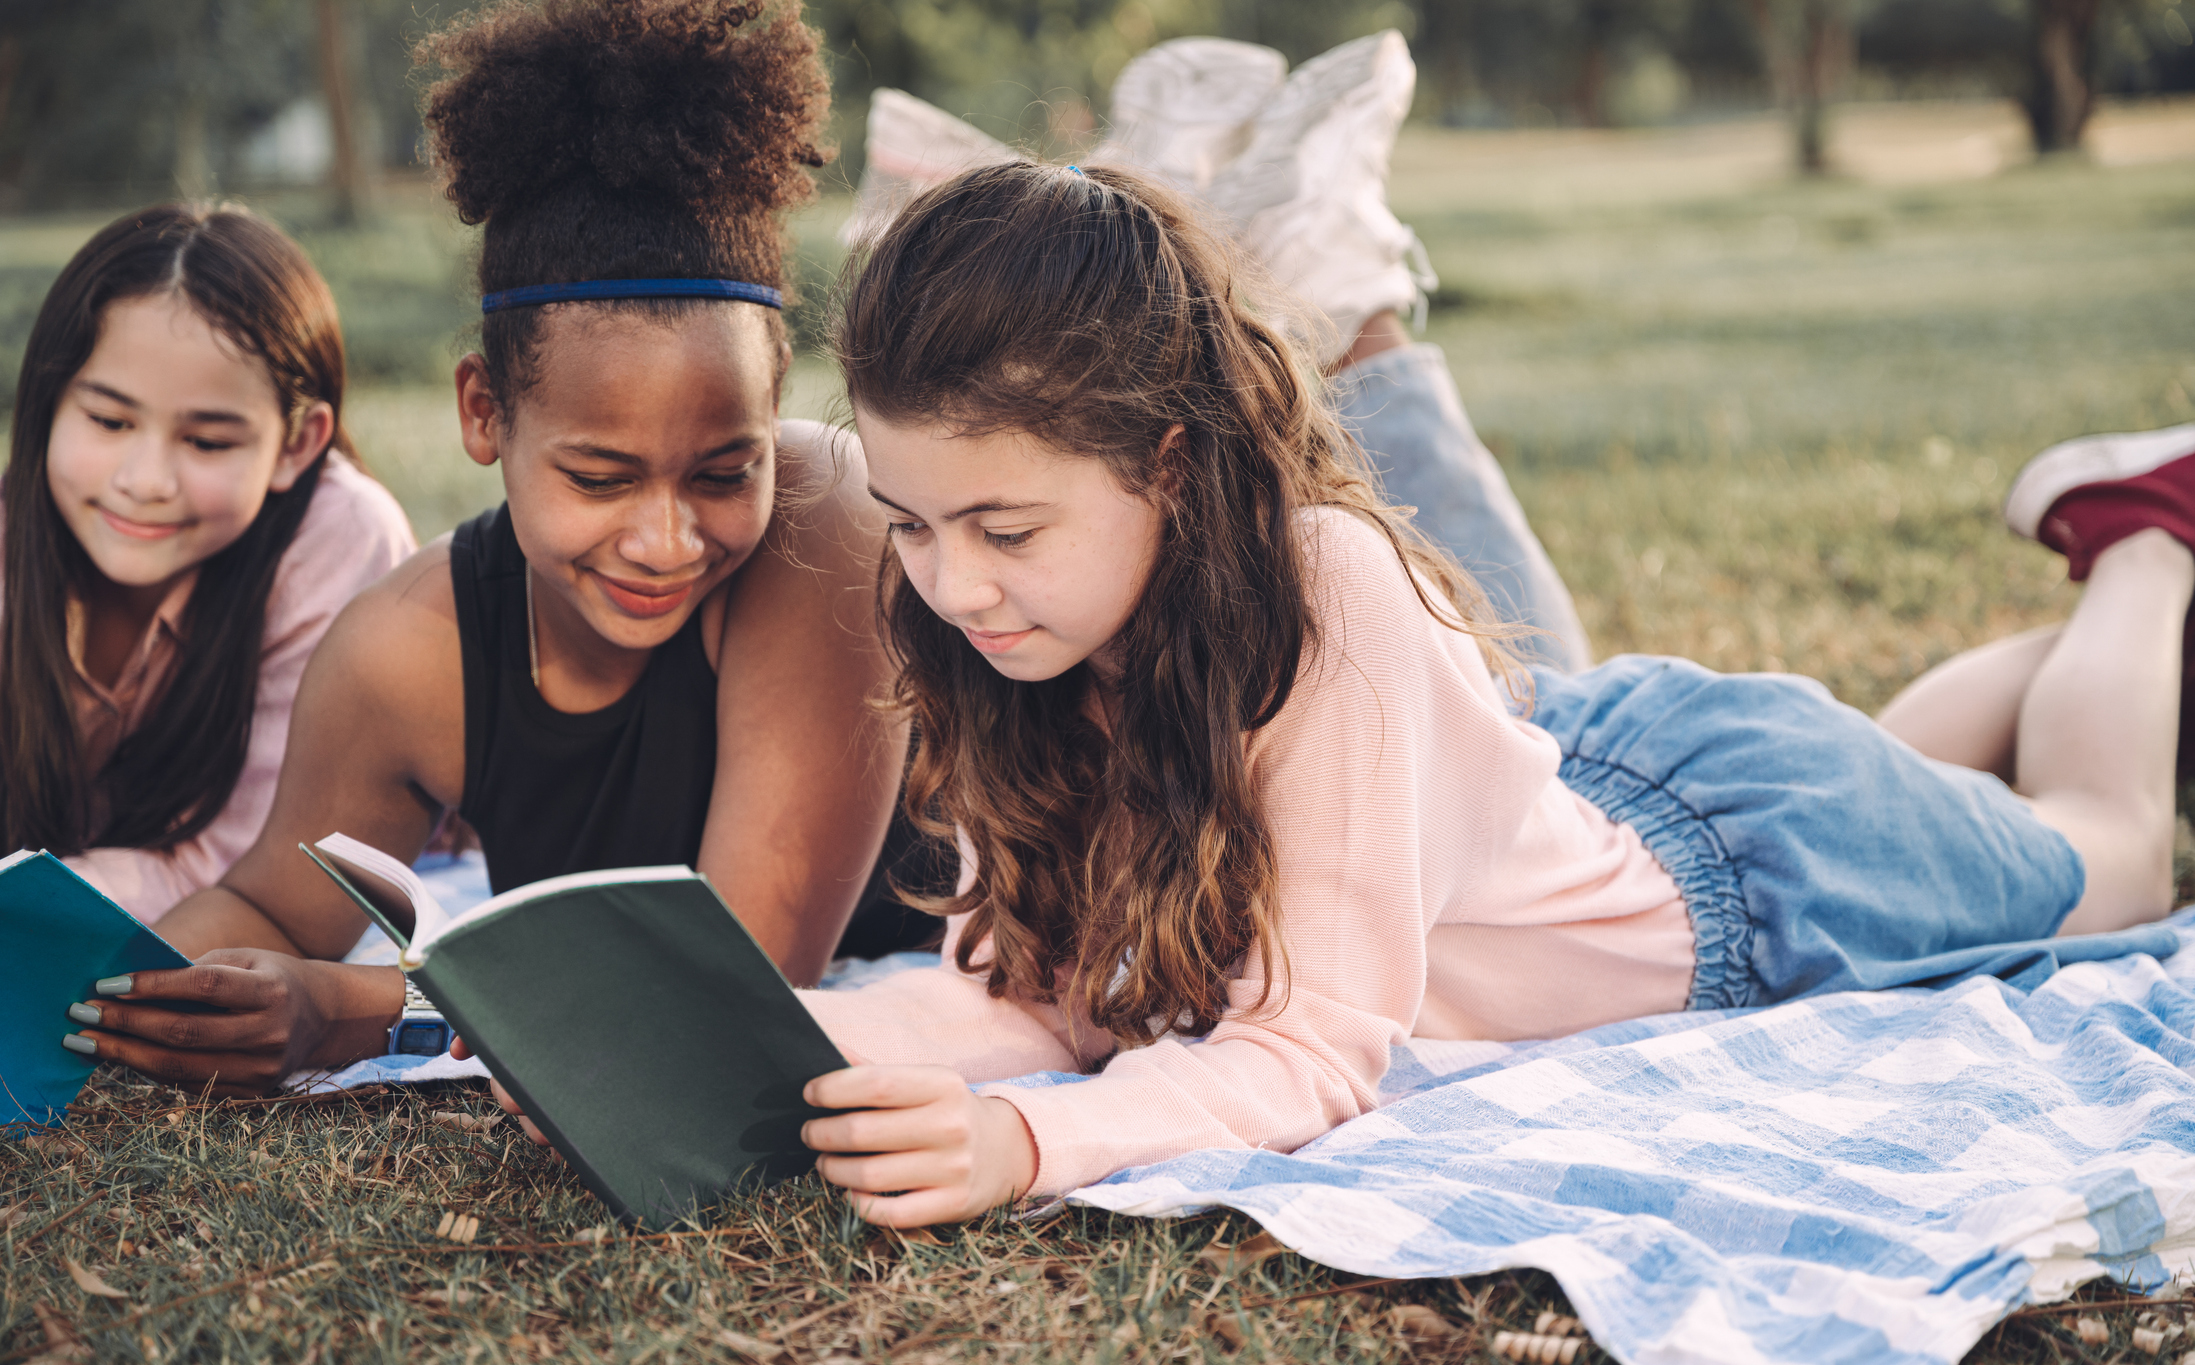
{"x": 170, "y": 777}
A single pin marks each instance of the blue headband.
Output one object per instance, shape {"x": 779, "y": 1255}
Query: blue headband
{"x": 580, "y": 290}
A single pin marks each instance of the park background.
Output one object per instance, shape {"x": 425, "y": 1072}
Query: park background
{"x": 1760, "y": 303}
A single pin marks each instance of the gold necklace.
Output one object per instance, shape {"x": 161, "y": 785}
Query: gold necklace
{"x": 533, "y": 642}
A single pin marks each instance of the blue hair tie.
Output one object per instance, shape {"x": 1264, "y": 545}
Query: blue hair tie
{"x": 1078, "y": 171}
{"x": 581, "y": 290}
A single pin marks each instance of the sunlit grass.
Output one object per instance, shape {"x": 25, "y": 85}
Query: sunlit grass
{"x": 309, "y": 1232}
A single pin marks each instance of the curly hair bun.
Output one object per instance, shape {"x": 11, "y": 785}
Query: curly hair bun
{"x": 624, "y": 139}
{"x": 692, "y": 100}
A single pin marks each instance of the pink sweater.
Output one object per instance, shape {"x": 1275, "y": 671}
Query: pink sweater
{"x": 1437, "y": 880}
{"x": 353, "y": 533}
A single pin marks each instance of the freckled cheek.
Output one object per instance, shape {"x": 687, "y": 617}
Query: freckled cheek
{"x": 920, "y": 568}
{"x": 1054, "y": 597}
{"x": 1085, "y": 590}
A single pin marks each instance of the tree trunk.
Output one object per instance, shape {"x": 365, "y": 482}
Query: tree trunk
{"x": 350, "y": 182}
{"x": 11, "y": 66}
{"x": 1443, "y": 51}
{"x": 11, "y": 171}
{"x": 2059, "y": 98}
{"x": 1602, "y": 22}
{"x": 1825, "y": 54}
{"x": 192, "y": 164}
{"x": 1806, "y": 49}
{"x": 1591, "y": 95}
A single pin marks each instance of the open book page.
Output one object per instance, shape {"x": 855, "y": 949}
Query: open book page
{"x": 428, "y": 916}
{"x": 423, "y": 941}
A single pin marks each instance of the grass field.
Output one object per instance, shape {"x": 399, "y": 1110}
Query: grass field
{"x": 1759, "y": 423}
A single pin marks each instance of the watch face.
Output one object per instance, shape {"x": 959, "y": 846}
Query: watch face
{"x": 420, "y": 1038}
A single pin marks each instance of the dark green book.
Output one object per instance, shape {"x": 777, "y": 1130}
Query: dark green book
{"x": 630, "y": 1012}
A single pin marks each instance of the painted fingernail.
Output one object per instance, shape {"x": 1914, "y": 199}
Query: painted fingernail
{"x": 77, "y": 1042}
{"x": 112, "y": 985}
{"x": 84, "y": 1014}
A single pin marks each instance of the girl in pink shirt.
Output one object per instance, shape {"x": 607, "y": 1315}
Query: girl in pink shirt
{"x": 184, "y": 517}
{"x": 1242, "y": 775}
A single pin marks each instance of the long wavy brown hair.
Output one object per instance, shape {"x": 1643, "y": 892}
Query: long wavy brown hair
{"x": 1129, "y": 874}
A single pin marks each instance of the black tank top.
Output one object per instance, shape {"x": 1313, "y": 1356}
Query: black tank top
{"x": 550, "y": 792}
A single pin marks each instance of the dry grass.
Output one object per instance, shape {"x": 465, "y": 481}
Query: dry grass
{"x": 306, "y": 1231}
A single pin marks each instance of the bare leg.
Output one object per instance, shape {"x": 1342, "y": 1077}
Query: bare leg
{"x": 1381, "y": 332}
{"x": 1966, "y": 710}
{"x": 2098, "y": 729}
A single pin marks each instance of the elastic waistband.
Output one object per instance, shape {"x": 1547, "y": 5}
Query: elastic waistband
{"x": 1689, "y": 850}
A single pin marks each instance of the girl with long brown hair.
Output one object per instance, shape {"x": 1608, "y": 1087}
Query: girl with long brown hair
{"x": 184, "y": 517}
{"x": 1242, "y": 776}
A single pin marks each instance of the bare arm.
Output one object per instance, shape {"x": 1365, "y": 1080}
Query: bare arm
{"x": 376, "y": 748}
{"x": 806, "y": 769}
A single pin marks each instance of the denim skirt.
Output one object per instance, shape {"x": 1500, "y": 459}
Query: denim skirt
{"x": 1815, "y": 851}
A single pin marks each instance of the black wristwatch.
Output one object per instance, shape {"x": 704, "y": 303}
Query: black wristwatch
{"x": 420, "y": 1031}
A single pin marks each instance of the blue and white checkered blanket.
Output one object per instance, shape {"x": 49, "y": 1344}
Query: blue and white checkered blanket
{"x": 1872, "y": 1177}
{"x": 1865, "y": 1177}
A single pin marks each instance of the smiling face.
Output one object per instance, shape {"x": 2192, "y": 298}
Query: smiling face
{"x": 1038, "y": 555}
{"x": 640, "y": 464}
{"x": 165, "y": 445}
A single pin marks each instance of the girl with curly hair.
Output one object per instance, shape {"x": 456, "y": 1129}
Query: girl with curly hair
{"x": 184, "y": 518}
{"x": 1244, "y": 784}
{"x": 658, "y": 649}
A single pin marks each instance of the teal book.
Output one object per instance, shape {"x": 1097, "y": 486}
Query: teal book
{"x": 58, "y": 935}
{"x": 629, "y": 1012}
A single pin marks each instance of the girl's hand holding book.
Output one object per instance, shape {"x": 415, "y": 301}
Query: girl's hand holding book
{"x": 503, "y": 1098}
{"x": 920, "y": 1146}
{"x": 274, "y": 1014}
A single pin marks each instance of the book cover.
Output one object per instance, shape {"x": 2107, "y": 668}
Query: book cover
{"x": 635, "y": 1019}
{"x": 58, "y": 935}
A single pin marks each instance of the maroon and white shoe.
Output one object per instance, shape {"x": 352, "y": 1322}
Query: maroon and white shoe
{"x": 2082, "y": 496}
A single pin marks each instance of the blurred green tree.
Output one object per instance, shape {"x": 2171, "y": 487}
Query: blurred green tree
{"x": 109, "y": 100}
{"x": 2071, "y": 43}
{"x": 1037, "y": 72}
{"x": 1808, "y": 47}
{"x": 351, "y": 160}
{"x": 1593, "y": 62}
{"x": 2054, "y": 56}
{"x": 106, "y": 101}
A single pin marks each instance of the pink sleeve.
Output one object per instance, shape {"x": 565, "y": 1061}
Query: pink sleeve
{"x": 353, "y": 533}
{"x": 945, "y": 1017}
{"x": 1385, "y": 712}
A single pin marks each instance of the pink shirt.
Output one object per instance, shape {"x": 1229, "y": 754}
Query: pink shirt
{"x": 1437, "y": 880}
{"x": 353, "y": 533}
